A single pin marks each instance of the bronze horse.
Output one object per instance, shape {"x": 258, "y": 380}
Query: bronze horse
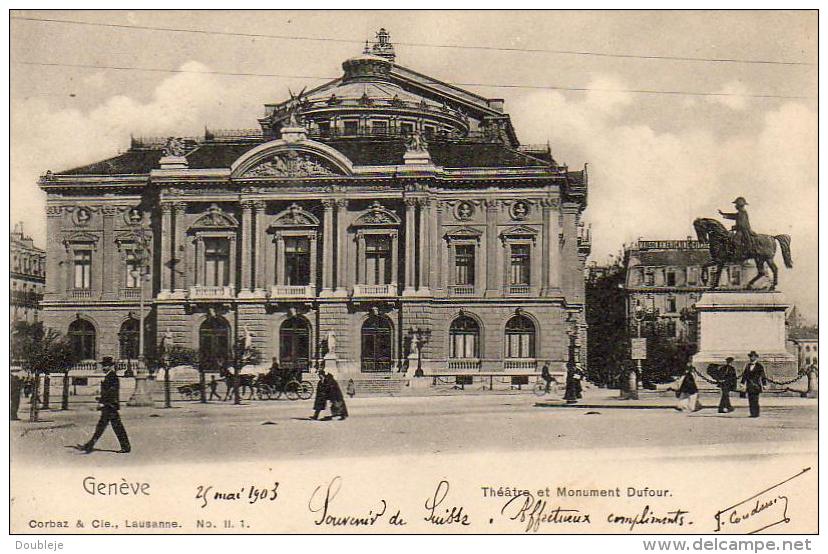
{"x": 722, "y": 250}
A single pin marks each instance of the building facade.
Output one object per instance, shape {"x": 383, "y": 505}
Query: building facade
{"x": 27, "y": 277}
{"x": 665, "y": 278}
{"x": 385, "y": 218}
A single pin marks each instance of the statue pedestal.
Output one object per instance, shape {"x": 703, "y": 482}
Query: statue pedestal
{"x": 141, "y": 396}
{"x": 331, "y": 363}
{"x": 732, "y": 323}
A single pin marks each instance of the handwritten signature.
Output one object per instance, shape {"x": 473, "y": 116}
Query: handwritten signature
{"x": 766, "y": 509}
{"x": 438, "y": 514}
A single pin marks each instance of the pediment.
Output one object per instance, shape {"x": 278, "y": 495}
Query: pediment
{"x": 463, "y": 233}
{"x": 298, "y": 159}
{"x": 519, "y": 231}
{"x": 377, "y": 215}
{"x": 81, "y": 237}
{"x": 295, "y": 216}
{"x": 215, "y": 218}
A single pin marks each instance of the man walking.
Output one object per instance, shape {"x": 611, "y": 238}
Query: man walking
{"x": 110, "y": 403}
{"x": 727, "y": 383}
{"x": 754, "y": 379}
{"x": 214, "y": 388}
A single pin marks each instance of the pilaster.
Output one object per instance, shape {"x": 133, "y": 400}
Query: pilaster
{"x": 258, "y": 282}
{"x": 341, "y": 247}
{"x": 179, "y": 252}
{"x": 410, "y": 254}
{"x": 493, "y": 288}
{"x": 425, "y": 247}
{"x": 327, "y": 248}
{"x": 165, "y": 254}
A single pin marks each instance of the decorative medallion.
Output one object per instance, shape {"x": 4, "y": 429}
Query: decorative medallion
{"x": 82, "y": 217}
{"x": 464, "y": 211}
{"x": 290, "y": 164}
{"x": 133, "y": 216}
{"x": 519, "y": 210}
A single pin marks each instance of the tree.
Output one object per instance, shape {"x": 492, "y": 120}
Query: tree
{"x": 43, "y": 351}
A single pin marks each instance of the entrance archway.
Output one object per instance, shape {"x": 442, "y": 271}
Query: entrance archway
{"x": 376, "y": 345}
{"x": 294, "y": 344}
{"x": 214, "y": 342}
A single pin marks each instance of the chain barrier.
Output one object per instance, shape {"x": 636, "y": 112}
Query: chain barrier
{"x": 799, "y": 376}
{"x": 705, "y": 377}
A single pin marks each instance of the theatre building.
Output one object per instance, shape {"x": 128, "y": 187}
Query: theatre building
{"x": 386, "y": 219}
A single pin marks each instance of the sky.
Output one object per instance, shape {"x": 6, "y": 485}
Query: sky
{"x": 656, "y": 161}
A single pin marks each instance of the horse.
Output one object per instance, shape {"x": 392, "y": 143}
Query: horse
{"x": 247, "y": 383}
{"x": 720, "y": 243}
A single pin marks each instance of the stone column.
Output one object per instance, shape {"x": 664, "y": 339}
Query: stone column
{"x": 425, "y": 246}
{"x": 179, "y": 251}
{"x": 327, "y": 248}
{"x": 492, "y": 285}
{"x": 312, "y": 276}
{"x": 395, "y": 259}
{"x": 410, "y": 254}
{"x": 109, "y": 268}
{"x": 55, "y": 279}
{"x": 434, "y": 251}
{"x": 166, "y": 232}
{"x": 258, "y": 282}
{"x": 280, "y": 258}
{"x": 546, "y": 241}
{"x": 246, "y": 246}
{"x": 341, "y": 246}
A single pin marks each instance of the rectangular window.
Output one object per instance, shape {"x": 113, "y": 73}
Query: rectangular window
{"x": 377, "y": 260}
{"x": 406, "y": 128}
{"x": 649, "y": 278}
{"x": 520, "y": 264}
{"x": 671, "y": 305}
{"x": 464, "y": 264}
{"x": 217, "y": 262}
{"x": 132, "y": 271}
{"x": 83, "y": 269}
{"x": 350, "y": 127}
{"x": 324, "y": 128}
{"x": 671, "y": 277}
{"x": 429, "y": 131}
{"x": 692, "y": 276}
{"x": 670, "y": 328}
{"x": 379, "y": 128}
{"x": 297, "y": 261}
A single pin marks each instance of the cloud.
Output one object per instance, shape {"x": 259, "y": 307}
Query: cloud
{"x": 649, "y": 183}
{"x": 729, "y": 96}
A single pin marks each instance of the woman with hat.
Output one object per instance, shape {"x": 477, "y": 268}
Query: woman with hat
{"x": 754, "y": 379}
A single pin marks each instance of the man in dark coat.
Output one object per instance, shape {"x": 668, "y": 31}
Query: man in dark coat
{"x": 321, "y": 399}
{"x": 15, "y": 388}
{"x": 727, "y": 383}
{"x": 547, "y": 377}
{"x": 110, "y": 404}
{"x": 754, "y": 379}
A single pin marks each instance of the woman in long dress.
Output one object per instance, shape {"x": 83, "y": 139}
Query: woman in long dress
{"x": 688, "y": 393}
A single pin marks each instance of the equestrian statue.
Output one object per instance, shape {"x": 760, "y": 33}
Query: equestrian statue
{"x": 741, "y": 244}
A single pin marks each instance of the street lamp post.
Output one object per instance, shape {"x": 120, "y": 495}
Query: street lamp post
{"x": 420, "y": 337}
{"x": 141, "y": 395}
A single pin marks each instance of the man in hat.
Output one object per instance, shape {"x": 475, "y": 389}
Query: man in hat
{"x": 110, "y": 403}
{"x": 727, "y": 383}
{"x": 754, "y": 379}
{"x": 743, "y": 236}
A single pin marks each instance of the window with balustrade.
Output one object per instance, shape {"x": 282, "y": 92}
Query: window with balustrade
{"x": 464, "y": 338}
{"x": 216, "y": 262}
{"x": 464, "y": 264}
{"x": 82, "y": 339}
{"x": 520, "y": 337}
{"x": 520, "y": 264}
{"x": 297, "y": 261}
{"x": 82, "y": 269}
{"x": 377, "y": 259}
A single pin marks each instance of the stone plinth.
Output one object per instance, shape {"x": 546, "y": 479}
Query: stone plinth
{"x": 732, "y": 323}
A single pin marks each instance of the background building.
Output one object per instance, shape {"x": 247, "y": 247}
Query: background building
{"x": 660, "y": 281}
{"x": 26, "y": 277}
{"x": 386, "y": 216}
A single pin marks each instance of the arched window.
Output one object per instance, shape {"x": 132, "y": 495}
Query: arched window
{"x": 294, "y": 344}
{"x": 376, "y": 344}
{"x": 520, "y": 337}
{"x": 464, "y": 338}
{"x": 82, "y": 338}
{"x": 214, "y": 342}
{"x": 128, "y": 340}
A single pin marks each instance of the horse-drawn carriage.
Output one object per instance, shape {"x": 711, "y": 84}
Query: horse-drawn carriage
{"x": 273, "y": 384}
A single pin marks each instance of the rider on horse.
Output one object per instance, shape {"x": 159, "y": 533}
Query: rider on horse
{"x": 744, "y": 239}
